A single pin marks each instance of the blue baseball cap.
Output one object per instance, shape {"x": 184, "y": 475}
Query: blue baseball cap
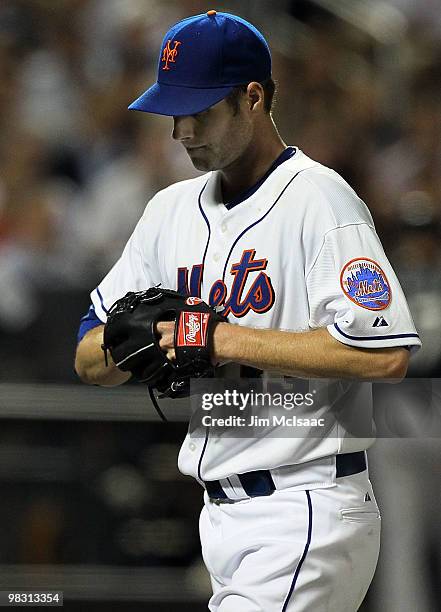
{"x": 202, "y": 59}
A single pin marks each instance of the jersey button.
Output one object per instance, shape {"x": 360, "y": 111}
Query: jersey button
{"x": 216, "y": 257}
{"x": 192, "y": 446}
{"x": 224, "y": 228}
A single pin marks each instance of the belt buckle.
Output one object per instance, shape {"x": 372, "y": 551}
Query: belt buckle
{"x": 222, "y": 500}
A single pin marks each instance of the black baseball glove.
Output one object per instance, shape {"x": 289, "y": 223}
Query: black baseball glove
{"x": 130, "y": 336}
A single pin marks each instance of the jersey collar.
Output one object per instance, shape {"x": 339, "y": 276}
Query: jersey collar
{"x": 286, "y": 154}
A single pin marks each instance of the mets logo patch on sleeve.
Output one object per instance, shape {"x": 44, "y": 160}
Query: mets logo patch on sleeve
{"x": 365, "y": 284}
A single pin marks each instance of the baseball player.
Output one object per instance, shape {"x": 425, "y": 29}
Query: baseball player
{"x": 285, "y": 249}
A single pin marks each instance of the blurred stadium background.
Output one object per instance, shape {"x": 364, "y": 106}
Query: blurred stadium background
{"x": 92, "y": 502}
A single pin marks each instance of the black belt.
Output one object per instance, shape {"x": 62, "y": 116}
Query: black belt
{"x": 260, "y": 482}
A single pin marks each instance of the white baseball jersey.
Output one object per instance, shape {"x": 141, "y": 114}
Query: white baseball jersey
{"x": 300, "y": 252}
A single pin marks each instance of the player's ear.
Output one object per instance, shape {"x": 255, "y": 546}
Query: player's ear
{"x": 255, "y": 96}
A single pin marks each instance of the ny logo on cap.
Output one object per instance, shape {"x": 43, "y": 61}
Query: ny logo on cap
{"x": 169, "y": 54}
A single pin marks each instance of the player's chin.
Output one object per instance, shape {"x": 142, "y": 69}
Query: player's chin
{"x": 201, "y": 160}
{"x": 202, "y": 166}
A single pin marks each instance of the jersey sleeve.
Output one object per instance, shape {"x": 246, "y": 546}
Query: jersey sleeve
{"x": 135, "y": 270}
{"x": 354, "y": 292}
{"x": 88, "y": 322}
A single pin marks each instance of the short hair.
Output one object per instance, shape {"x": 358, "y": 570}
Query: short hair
{"x": 269, "y": 89}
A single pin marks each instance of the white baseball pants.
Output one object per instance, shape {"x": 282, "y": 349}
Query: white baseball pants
{"x": 293, "y": 551}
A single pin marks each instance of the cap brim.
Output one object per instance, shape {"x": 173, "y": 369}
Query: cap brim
{"x": 175, "y": 101}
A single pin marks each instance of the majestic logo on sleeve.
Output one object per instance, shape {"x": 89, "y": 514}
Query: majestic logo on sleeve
{"x": 365, "y": 284}
{"x": 260, "y": 294}
{"x": 169, "y": 53}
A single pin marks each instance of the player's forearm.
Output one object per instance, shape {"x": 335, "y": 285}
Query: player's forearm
{"x": 90, "y": 364}
{"x": 313, "y": 353}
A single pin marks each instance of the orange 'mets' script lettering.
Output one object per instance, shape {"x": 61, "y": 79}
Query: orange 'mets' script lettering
{"x": 169, "y": 54}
